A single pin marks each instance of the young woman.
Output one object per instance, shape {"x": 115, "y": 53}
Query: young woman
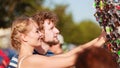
{"x": 26, "y": 35}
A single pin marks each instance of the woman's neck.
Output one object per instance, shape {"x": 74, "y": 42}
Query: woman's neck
{"x": 25, "y": 50}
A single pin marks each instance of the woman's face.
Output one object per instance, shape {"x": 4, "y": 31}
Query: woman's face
{"x": 33, "y": 36}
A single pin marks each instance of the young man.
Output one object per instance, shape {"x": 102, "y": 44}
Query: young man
{"x": 49, "y": 19}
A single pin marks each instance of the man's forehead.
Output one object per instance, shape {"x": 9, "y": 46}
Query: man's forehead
{"x": 48, "y": 22}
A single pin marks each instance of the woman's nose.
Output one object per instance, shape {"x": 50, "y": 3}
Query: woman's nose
{"x": 41, "y": 35}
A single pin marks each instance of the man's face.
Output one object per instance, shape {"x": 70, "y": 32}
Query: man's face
{"x": 51, "y": 32}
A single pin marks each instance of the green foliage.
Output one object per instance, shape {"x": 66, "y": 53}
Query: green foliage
{"x": 9, "y": 9}
{"x": 82, "y": 32}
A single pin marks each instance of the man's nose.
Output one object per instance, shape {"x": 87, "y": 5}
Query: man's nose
{"x": 57, "y": 31}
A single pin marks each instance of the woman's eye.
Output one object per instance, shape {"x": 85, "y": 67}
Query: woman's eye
{"x": 37, "y": 31}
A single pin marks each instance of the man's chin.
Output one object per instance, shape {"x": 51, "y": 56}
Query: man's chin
{"x": 53, "y": 42}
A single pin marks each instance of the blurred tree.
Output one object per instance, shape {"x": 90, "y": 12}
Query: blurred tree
{"x": 9, "y": 9}
{"x": 72, "y": 32}
{"x": 82, "y": 32}
{"x": 66, "y": 22}
{"x": 89, "y": 30}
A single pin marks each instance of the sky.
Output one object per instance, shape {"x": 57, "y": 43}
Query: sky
{"x": 80, "y": 9}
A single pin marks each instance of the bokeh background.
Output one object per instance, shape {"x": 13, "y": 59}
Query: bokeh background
{"x": 77, "y": 23}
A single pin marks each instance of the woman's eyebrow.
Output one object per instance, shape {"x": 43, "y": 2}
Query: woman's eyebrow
{"x": 38, "y": 28}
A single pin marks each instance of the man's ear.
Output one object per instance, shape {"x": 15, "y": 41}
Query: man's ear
{"x": 24, "y": 37}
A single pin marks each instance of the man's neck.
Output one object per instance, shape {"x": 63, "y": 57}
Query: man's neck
{"x": 45, "y": 47}
{"x": 42, "y": 49}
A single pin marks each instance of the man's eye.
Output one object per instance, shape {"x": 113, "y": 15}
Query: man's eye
{"x": 52, "y": 28}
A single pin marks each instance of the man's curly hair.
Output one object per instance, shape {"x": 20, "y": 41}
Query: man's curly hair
{"x": 41, "y": 16}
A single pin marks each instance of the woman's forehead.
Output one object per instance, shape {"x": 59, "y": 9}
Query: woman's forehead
{"x": 33, "y": 23}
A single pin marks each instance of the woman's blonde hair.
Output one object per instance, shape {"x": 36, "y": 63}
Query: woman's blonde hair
{"x": 19, "y": 26}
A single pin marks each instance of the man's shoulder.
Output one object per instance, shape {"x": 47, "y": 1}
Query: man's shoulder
{"x": 49, "y": 53}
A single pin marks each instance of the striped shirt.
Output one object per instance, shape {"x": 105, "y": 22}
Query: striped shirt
{"x": 14, "y": 60}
